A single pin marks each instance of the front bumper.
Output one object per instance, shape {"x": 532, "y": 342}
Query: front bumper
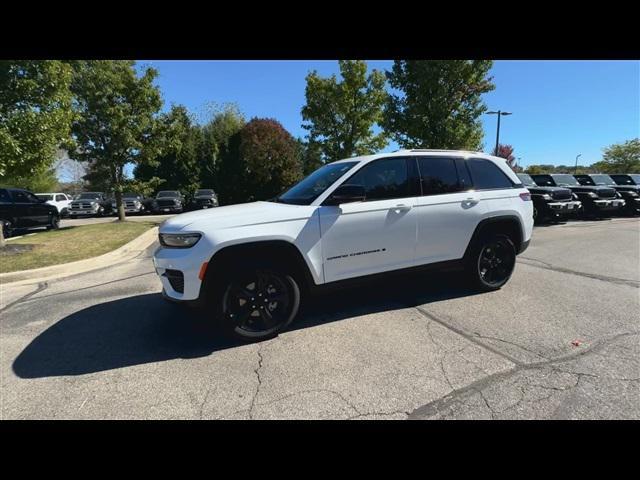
{"x": 82, "y": 211}
{"x": 565, "y": 207}
{"x": 605, "y": 205}
{"x": 167, "y": 209}
{"x": 188, "y": 261}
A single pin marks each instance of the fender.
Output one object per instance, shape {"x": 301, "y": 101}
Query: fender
{"x": 508, "y": 221}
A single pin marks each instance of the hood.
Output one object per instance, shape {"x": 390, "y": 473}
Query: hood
{"x": 241, "y": 215}
{"x": 627, "y": 188}
{"x": 91, "y": 200}
{"x": 537, "y": 189}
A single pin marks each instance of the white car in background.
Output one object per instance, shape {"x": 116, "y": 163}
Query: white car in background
{"x": 59, "y": 200}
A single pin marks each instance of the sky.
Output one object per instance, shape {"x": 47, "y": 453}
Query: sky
{"x": 560, "y": 108}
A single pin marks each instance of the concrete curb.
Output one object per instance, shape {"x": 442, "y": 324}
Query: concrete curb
{"x": 126, "y": 252}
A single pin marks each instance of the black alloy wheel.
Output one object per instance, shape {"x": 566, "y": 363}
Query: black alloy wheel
{"x": 257, "y": 304}
{"x": 496, "y": 262}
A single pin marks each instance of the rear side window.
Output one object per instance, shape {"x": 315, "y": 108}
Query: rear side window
{"x": 4, "y": 196}
{"x": 383, "y": 179}
{"x": 60, "y": 198}
{"x": 23, "y": 197}
{"x": 487, "y": 176}
{"x": 463, "y": 175}
{"x": 438, "y": 175}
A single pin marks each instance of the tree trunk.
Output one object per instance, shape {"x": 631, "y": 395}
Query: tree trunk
{"x": 118, "y": 192}
{"x": 1, "y": 234}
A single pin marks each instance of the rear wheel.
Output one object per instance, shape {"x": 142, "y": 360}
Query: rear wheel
{"x": 491, "y": 262}
{"x": 257, "y": 303}
{"x": 54, "y": 223}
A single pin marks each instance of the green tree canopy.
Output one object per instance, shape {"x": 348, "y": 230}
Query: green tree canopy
{"x": 270, "y": 158}
{"x": 341, "y": 116}
{"x": 117, "y": 123}
{"x": 437, "y": 103}
{"x": 35, "y": 115}
{"x": 621, "y": 158}
{"x": 178, "y": 163}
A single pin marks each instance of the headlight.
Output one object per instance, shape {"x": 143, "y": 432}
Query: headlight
{"x": 179, "y": 240}
{"x": 113, "y": 204}
{"x": 618, "y": 195}
{"x": 546, "y": 197}
{"x": 592, "y": 195}
{"x": 137, "y": 204}
{"x": 632, "y": 194}
{"x": 574, "y": 196}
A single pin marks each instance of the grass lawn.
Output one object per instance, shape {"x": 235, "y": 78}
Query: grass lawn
{"x": 70, "y": 244}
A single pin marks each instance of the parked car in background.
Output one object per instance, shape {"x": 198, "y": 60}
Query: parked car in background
{"x": 133, "y": 203}
{"x": 596, "y": 201}
{"x": 21, "y": 209}
{"x": 626, "y": 179}
{"x": 630, "y": 193}
{"x": 204, "y": 198}
{"x": 250, "y": 264}
{"x": 59, "y": 200}
{"x": 90, "y": 204}
{"x": 168, "y": 201}
{"x": 550, "y": 203}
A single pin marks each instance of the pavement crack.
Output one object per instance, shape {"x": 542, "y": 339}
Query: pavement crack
{"x": 532, "y": 262}
{"x": 259, "y": 384}
{"x": 41, "y": 287}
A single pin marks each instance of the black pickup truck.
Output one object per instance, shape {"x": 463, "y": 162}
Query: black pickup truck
{"x": 597, "y": 201}
{"x": 204, "y": 198}
{"x": 550, "y": 203}
{"x": 168, "y": 201}
{"x": 21, "y": 209}
{"x": 625, "y": 185}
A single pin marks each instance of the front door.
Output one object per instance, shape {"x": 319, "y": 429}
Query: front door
{"x": 376, "y": 235}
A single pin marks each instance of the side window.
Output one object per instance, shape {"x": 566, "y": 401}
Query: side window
{"x": 383, "y": 179}
{"x": 438, "y": 175}
{"x": 22, "y": 197}
{"x": 486, "y": 175}
{"x": 60, "y": 198}
{"x": 463, "y": 175}
{"x": 4, "y": 196}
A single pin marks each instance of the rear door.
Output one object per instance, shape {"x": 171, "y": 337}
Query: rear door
{"x": 448, "y": 210}
{"x": 492, "y": 186}
{"x": 378, "y": 234}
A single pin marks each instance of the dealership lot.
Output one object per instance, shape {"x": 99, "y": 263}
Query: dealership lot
{"x": 560, "y": 340}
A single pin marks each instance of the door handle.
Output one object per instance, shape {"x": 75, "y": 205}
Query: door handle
{"x": 401, "y": 207}
{"x": 472, "y": 201}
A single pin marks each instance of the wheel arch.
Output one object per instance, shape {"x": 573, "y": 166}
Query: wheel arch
{"x": 509, "y": 225}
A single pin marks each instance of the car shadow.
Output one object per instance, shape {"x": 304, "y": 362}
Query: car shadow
{"x": 146, "y": 328}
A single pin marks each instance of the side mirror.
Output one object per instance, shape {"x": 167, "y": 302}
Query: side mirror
{"x": 347, "y": 194}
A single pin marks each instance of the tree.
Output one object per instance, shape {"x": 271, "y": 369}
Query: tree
{"x": 439, "y": 103}
{"x": 35, "y": 115}
{"x": 215, "y": 152}
{"x": 117, "y": 123}
{"x": 506, "y": 152}
{"x": 40, "y": 181}
{"x": 621, "y": 158}
{"x": 310, "y": 156}
{"x": 269, "y": 157}
{"x": 341, "y": 115}
{"x": 178, "y": 164}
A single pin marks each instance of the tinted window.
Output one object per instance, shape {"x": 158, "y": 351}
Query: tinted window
{"x": 438, "y": 175}
{"x": 463, "y": 175}
{"x": 564, "y": 180}
{"x": 4, "y": 196}
{"x": 486, "y": 175}
{"x": 526, "y": 180}
{"x": 544, "y": 180}
{"x": 382, "y": 179}
{"x": 23, "y": 197}
{"x": 311, "y": 187}
{"x": 44, "y": 197}
{"x": 90, "y": 196}
{"x": 622, "y": 179}
{"x": 60, "y": 198}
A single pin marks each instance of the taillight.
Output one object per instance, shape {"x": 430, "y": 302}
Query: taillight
{"x": 526, "y": 197}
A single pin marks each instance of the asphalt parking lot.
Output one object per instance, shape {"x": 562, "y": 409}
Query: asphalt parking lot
{"x": 559, "y": 341}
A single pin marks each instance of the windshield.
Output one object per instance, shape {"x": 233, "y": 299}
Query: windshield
{"x": 543, "y": 180}
{"x": 602, "y": 180}
{"x": 130, "y": 195}
{"x": 526, "y": 180}
{"x": 168, "y": 194}
{"x": 565, "y": 180}
{"x": 89, "y": 196}
{"x": 308, "y": 189}
{"x": 636, "y": 178}
{"x": 46, "y": 198}
{"x": 204, "y": 192}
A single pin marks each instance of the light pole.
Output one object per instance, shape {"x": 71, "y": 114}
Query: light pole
{"x": 575, "y": 169}
{"x": 499, "y": 113}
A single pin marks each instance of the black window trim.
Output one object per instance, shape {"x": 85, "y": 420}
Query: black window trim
{"x": 409, "y": 179}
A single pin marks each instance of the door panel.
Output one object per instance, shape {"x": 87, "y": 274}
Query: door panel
{"x": 367, "y": 237}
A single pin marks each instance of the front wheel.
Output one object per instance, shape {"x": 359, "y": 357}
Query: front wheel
{"x": 54, "y": 224}
{"x": 7, "y": 228}
{"x": 491, "y": 262}
{"x": 258, "y": 303}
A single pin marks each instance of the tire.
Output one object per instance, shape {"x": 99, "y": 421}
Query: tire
{"x": 7, "y": 229}
{"x": 64, "y": 213}
{"x": 100, "y": 212}
{"x": 273, "y": 294}
{"x": 491, "y": 262}
{"x": 55, "y": 223}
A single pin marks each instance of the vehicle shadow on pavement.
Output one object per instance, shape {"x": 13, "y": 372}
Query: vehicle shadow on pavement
{"x": 146, "y": 328}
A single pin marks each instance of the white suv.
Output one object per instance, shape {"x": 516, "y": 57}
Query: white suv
{"x": 247, "y": 264}
{"x": 59, "y": 200}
